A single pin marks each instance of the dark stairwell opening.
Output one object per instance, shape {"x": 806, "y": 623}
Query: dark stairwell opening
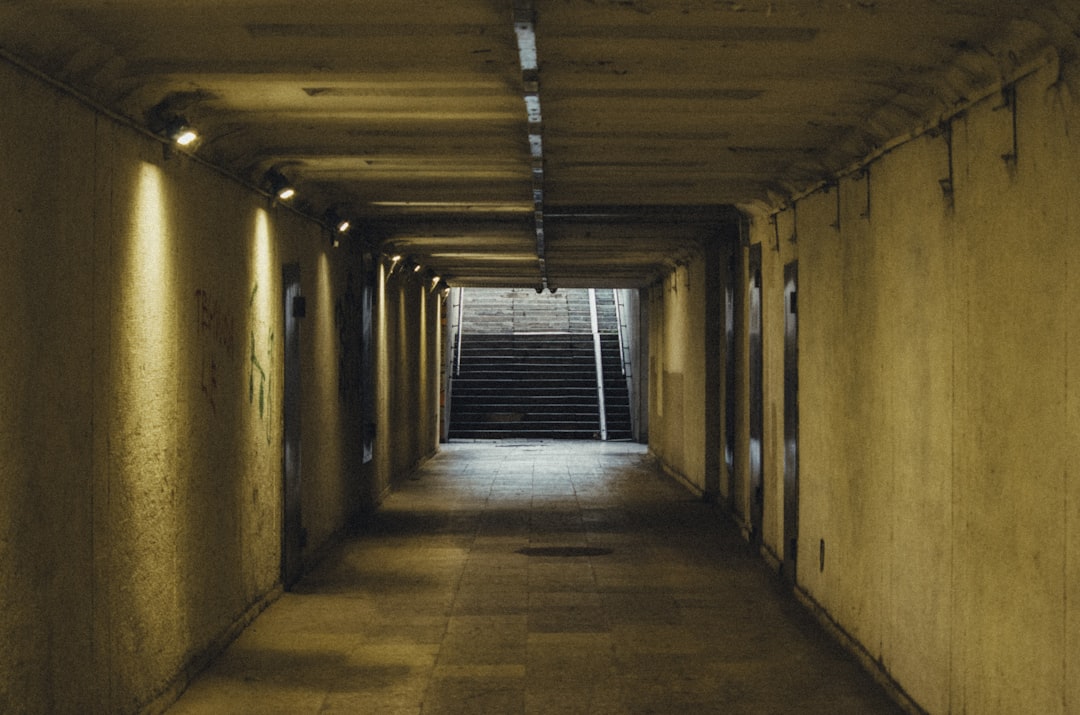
{"x": 524, "y": 365}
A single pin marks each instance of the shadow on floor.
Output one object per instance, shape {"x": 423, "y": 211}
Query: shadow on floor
{"x": 538, "y": 578}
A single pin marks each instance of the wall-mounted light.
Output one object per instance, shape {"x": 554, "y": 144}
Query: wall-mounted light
{"x": 167, "y": 120}
{"x": 437, "y": 284}
{"x": 180, "y": 132}
{"x": 280, "y": 187}
{"x": 337, "y": 225}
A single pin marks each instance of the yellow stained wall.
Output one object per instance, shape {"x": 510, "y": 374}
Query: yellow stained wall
{"x": 141, "y": 396}
{"x": 939, "y": 346}
{"x": 677, "y": 373}
{"x": 46, "y": 407}
{"x": 407, "y": 365}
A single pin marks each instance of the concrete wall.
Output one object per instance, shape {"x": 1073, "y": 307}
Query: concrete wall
{"x": 939, "y": 346}
{"x": 684, "y": 315}
{"x": 676, "y": 380}
{"x": 408, "y": 351}
{"x": 140, "y": 429}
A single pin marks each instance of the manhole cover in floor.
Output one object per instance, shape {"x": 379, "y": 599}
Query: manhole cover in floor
{"x": 564, "y": 551}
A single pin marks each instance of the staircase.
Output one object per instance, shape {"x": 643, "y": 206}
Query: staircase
{"x": 528, "y": 368}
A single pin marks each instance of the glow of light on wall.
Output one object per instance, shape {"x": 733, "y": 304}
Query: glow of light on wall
{"x": 261, "y": 254}
{"x": 264, "y": 279}
{"x": 146, "y": 319}
{"x": 262, "y": 343}
{"x": 677, "y": 322}
{"x": 381, "y": 357}
{"x": 320, "y": 321}
{"x": 144, "y": 454}
{"x": 422, "y": 352}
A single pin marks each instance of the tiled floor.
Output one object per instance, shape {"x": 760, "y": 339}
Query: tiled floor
{"x": 436, "y": 609}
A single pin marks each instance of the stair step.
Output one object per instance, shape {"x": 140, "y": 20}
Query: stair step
{"x": 527, "y": 367}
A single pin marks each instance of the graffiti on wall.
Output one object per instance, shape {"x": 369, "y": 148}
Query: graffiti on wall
{"x": 217, "y": 338}
{"x": 348, "y": 321}
{"x": 215, "y": 342}
{"x": 260, "y": 369}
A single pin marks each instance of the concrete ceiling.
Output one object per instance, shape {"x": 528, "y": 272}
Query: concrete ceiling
{"x": 409, "y": 116}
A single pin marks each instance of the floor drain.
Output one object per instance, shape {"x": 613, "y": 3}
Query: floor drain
{"x": 564, "y": 551}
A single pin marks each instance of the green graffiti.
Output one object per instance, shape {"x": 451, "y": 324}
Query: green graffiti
{"x": 260, "y": 373}
{"x": 256, "y": 366}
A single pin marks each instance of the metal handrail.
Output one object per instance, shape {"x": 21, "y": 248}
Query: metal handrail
{"x": 599, "y": 364}
{"x": 459, "y": 329}
{"x": 625, "y": 350}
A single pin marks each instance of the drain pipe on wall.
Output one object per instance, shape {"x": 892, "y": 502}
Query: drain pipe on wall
{"x": 599, "y": 364}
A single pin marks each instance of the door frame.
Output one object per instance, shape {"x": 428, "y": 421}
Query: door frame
{"x": 791, "y": 419}
{"x": 756, "y": 447}
{"x": 292, "y": 530}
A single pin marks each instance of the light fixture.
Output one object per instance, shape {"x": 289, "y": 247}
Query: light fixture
{"x": 526, "y": 37}
{"x": 167, "y": 120}
{"x": 337, "y": 225}
{"x": 280, "y": 187}
{"x": 180, "y": 132}
{"x": 395, "y": 261}
{"x": 437, "y": 284}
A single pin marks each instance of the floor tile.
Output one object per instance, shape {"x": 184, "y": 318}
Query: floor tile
{"x": 537, "y": 577}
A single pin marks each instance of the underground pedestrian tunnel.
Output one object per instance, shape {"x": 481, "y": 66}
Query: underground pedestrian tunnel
{"x": 233, "y": 236}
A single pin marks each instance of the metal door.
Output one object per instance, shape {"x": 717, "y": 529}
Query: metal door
{"x": 734, "y": 270}
{"x": 757, "y": 399}
{"x": 292, "y": 533}
{"x": 791, "y": 419}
